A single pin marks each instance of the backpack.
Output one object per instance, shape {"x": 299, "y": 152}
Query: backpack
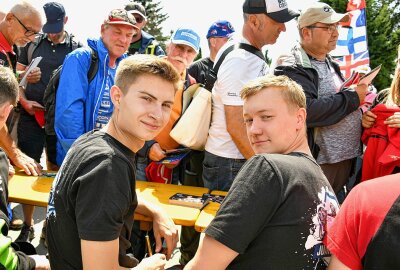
{"x": 49, "y": 97}
{"x": 211, "y": 75}
{"x": 33, "y": 45}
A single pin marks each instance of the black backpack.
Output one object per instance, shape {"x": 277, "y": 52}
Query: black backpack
{"x": 49, "y": 97}
{"x": 33, "y": 45}
{"x": 211, "y": 75}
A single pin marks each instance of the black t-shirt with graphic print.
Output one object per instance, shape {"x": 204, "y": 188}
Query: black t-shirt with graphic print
{"x": 275, "y": 214}
{"x": 93, "y": 198}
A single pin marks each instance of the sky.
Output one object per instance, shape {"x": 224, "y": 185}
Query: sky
{"x": 86, "y": 16}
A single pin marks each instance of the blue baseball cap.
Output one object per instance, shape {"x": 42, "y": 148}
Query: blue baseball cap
{"x": 186, "y": 37}
{"x": 220, "y": 28}
{"x": 55, "y": 15}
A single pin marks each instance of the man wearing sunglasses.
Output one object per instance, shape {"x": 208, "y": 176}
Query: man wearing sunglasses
{"x": 333, "y": 118}
{"x": 18, "y": 27}
{"x": 142, "y": 42}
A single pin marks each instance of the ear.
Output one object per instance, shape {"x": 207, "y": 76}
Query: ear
{"x": 306, "y": 33}
{"x": 65, "y": 20}
{"x": 116, "y": 95}
{"x": 254, "y": 21}
{"x": 8, "y": 17}
{"x": 212, "y": 41}
{"x": 301, "y": 118}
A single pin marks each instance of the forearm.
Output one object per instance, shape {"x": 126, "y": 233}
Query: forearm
{"x": 8, "y": 144}
{"x": 146, "y": 208}
{"x": 239, "y": 137}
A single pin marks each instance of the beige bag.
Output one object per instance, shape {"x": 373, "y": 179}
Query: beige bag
{"x": 191, "y": 130}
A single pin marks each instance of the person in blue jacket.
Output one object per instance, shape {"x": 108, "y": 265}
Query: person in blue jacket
{"x": 81, "y": 105}
{"x": 142, "y": 42}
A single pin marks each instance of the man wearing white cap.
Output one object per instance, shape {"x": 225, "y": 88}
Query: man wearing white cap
{"x": 333, "y": 117}
{"x": 227, "y": 146}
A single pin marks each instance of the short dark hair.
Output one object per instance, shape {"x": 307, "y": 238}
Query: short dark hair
{"x": 8, "y": 86}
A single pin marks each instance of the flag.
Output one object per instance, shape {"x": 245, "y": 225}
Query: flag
{"x": 348, "y": 63}
{"x": 352, "y": 47}
{"x": 352, "y": 39}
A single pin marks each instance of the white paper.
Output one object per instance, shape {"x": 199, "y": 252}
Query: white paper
{"x": 34, "y": 63}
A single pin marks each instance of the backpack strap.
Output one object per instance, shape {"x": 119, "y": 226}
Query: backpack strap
{"x": 94, "y": 65}
{"x": 212, "y": 74}
{"x": 244, "y": 46}
{"x": 33, "y": 45}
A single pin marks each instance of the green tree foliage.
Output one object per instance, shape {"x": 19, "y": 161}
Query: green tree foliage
{"x": 383, "y": 33}
{"x": 155, "y": 18}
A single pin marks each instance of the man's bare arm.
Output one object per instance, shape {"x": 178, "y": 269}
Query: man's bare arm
{"x": 22, "y": 161}
{"x": 163, "y": 225}
{"x": 237, "y": 129}
{"x": 211, "y": 255}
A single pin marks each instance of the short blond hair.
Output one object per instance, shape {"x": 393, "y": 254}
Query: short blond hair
{"x": 291, "y": 91}
{"x": 132, "y": 67}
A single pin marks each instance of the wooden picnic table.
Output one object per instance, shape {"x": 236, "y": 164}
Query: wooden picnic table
{"x": 208, "y": 213}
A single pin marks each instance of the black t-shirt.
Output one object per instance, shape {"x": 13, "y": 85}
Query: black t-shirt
{"x": 199, "y": 69}
{"x": 53, "y": 56}
{"x": 93, "y": 198}
{"x": 275, "y": 214}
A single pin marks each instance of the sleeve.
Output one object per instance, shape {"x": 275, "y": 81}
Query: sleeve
{"x": 321, "y": 111}
{"x": 103, "y": 197}
{"x": 343, "y": 234}
{"x": 71, "y": 97}
{"x": 23, "y": 55}
{"x": 144, "y": 151}
{"x": 256, "y": 186}
{"x": 11, "y": 259}
{"x": 231, "y": 79}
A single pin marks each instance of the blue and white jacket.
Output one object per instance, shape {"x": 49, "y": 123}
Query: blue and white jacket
{"x": 77, "y": 101}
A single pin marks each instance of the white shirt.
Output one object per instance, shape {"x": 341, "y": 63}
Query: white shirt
{"x": 239, "y": 67}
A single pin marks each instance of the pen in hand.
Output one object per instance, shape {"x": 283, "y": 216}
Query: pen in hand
{"x": 149, "y": 251}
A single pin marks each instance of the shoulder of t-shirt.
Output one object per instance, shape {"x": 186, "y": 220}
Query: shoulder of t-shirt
{"x": 377, "y": 202}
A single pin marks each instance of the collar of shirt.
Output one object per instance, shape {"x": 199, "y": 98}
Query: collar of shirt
{"x": 5, "y": 47}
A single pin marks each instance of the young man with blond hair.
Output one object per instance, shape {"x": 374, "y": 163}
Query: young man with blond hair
{"x": 265, "y": 219}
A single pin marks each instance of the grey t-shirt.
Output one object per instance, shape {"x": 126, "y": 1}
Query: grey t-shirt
{"x": 340, "y": 141}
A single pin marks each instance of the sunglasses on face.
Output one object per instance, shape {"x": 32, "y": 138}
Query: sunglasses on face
{"x": 138, "y": 18}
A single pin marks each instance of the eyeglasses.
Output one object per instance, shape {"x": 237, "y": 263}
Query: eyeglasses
{"x": 138, "y": 18}
{"x": 28, "y": 32}
{"x": 330, "y": 28}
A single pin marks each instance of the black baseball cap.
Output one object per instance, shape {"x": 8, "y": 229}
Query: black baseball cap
{"x": 55, "y": 15}
{"x": 275, "y": 9}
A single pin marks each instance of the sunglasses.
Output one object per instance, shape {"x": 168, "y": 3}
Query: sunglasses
{"x": 138, "y": 18}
